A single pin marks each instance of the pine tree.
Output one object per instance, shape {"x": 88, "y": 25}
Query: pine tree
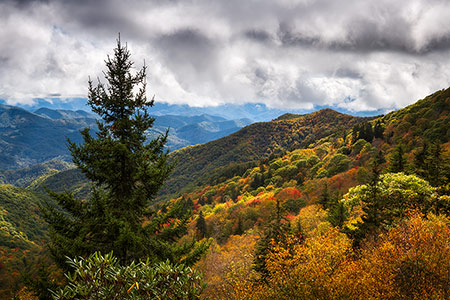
{"x": 397, "y": 160}
{"x": 378, "y": 130}
{"x": 374, "y": 205}
{"x": 201, "y": 225}
{"x": 420, "y": 158}
{"x": 325, "y": 198}
{"x": 365, "y": 132}
{"x": 338, "y": 214}
{"x": 126, "y": 173}
{"x": 275, "y": 232}
{"x": 434, "y": 163}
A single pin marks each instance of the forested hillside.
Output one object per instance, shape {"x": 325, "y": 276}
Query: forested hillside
{"x": 254, "y": 143}
{"x": 23, "y": 234}
{"x": 316, "y": 206}
{"x": 312, "y": 217}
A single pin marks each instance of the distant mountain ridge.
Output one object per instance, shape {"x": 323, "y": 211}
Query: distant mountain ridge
{"x": 258, "y": 112}
{"x": 191, "y": 130}
{"x": 56, "y": 114}
{"x": 28, "y": 138}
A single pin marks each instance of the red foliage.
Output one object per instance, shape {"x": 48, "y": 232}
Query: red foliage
{"x": 288, "y": 193}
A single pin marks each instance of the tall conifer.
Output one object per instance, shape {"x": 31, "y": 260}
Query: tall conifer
{"x": 126, "y": 172}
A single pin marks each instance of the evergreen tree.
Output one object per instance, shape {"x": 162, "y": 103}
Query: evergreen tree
{"x": 338, "y": 214}
{"x": 378, "y": 130}
{"x": 275, "y": 232}
{"x": 374, "y": 204}
{"x": 126, "y": 173}
{"x": 420, "y": 159}
{"x": 431, "y": 165}
{"x": 325, "y": 198}
{"x": 201, "y": 225}
{"x": 397, "y": 160}
{"x": 365, "y": 132}
{"x": 355, "y": 133}
{"x": 434, "y": 165}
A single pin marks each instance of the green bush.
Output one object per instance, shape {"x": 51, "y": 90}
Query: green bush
{"x": 338, "y": 163}
{"x": 287, "y": 171}
{"x": 101, "y": 277}
{"x": 357, "y": 146}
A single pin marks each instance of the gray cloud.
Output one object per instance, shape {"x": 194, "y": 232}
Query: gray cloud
{"x": 293, "y": 53}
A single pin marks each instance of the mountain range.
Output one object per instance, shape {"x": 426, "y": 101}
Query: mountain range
{"x": 29, "y": 138}
{"x": 300, "y": 162}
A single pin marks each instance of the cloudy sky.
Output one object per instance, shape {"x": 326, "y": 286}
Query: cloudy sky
{"x": 357, "y": 55}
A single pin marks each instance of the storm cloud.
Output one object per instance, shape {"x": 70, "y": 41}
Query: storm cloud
{"x": 359, "y": 55}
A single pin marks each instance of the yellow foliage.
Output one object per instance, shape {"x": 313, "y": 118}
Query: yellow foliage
{"x": 411, "y": 261}
{"x": 228, "y": 268}
{"x": 313, "y": 220}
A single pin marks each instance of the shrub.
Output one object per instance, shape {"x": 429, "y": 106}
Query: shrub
{"x": 101, "y": 277}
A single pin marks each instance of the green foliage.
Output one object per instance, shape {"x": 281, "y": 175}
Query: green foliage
{"x": 397, "y": 161}
{"x": 313, "y": 160}
{"x": 293, "y": 205}
{"x": 288, "y": 171}
{"x": 26, "y": 176}
{"x": 428, "y": 118}
{"x": 102, "y": 277}
{"x": 378, "y": 130}
{"x": 363, "y": 131}
{"x": 431, "y": 165}
{"x": 338, "y": 163}
{"x": 385, "y": 200}
{"x": 338, "y": 215}
{"x": 68, "y": 180}
{"x": 358, "y": 145}
{"x": 20, "y": 219}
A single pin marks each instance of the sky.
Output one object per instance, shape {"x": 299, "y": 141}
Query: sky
{"x": 357, "y": 55}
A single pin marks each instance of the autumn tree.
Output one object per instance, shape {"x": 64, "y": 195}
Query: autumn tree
{"x": 126, "y": 172}
{"x": 385, "y": 201}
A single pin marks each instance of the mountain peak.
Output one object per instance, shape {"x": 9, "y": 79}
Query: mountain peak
{"x": 324, "y": 112}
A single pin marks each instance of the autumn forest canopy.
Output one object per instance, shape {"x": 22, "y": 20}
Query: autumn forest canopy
{"x": 316, "y": 206}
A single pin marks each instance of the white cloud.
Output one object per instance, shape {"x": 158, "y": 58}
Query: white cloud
{"x": 358, "y": 55}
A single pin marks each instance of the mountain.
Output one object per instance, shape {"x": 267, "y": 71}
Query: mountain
{"x": 191, "y": 130}
{"x": 255, "y": 142}
{"x": 66, "y": 180}
{"x": 27, "y": 138}
{"x": 258, "y": 112}
{"x": 234, "y": 154}
{"x": 26, "y": 176}
{"x": 23, "y": 233}
{"x": 299, "y": 165}
{"x": 56, "y": 114}
{"x": 306, "y": 164}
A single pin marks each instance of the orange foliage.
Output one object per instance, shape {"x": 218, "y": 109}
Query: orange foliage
{"x": 225, "y": 267}
{"x": 411, "y": 261}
